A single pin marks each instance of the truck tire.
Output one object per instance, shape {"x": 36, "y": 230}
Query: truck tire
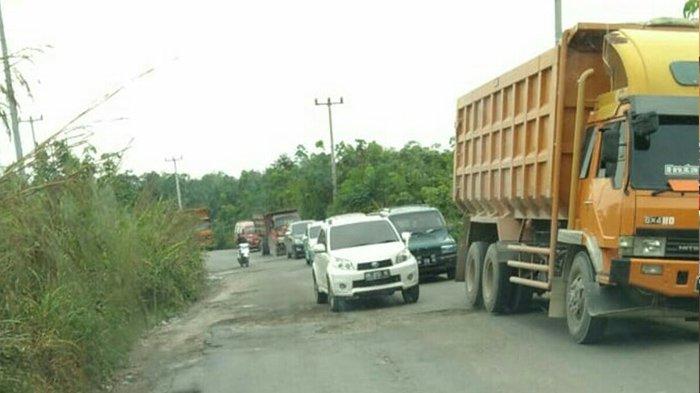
{"x": 584, "y": 328}
{"x": 472, "y": 273}
{"x": 520, "y": 298}
{"x": 321, "y": 298}
{"x": 495, "y": 286}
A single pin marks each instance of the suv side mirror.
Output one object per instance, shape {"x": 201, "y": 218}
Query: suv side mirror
{"x": 406, "y": 236}
{"x": 319, "y": 248}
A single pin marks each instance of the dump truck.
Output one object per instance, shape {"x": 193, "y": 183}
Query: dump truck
{"x": 276, "y": 224}
{"x": 203, "y": 230}
{"x": 577, "y": 174}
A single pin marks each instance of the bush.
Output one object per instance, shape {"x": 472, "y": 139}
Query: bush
{"x": 82, "y": 272}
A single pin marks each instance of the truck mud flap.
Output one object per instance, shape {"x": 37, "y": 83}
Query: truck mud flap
{"x": 621, "y": 302}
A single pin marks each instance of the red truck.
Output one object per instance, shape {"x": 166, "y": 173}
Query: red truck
{"x": 275, "y": 227}
{"x": 248, "y": 230}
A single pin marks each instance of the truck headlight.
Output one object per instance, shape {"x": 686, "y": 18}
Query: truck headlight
{"x": 403, "y": 256}
{"x": 298, "y": 241}
{"x": 343, "y": 264}
{"x": 631, "y": 246}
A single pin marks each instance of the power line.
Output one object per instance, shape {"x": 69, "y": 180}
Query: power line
{"x": 31, "y": 121}
{"x": 329, "y": 104}
{"x": 177, "y": 180}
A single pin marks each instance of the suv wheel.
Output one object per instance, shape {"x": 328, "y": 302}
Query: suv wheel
{"x": 410, "y": 295}
{"x": 321, "y": 297}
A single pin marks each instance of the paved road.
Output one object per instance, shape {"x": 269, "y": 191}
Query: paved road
{"x": 275, "y": 338}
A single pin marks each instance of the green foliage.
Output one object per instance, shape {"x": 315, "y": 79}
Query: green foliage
{"x": 87, "y": 260}
{"x": 690, "y": 8}
{"x": 369, "y": 177}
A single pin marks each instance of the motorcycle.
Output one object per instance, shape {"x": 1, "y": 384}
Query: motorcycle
{"x": 244, "y": 254}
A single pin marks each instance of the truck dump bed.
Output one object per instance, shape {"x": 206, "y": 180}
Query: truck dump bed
{"x": 507, "y": 130}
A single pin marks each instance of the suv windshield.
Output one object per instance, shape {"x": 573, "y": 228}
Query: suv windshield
{"x": 669, "y": 153}
{"x": 300, "y": 228}
{"x": 314, "y": 231}
{"x": 418, "y": 222}
{"x": 362, "y": 234}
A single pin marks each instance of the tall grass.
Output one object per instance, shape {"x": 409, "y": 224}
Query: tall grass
{"x": 81, "y": 272}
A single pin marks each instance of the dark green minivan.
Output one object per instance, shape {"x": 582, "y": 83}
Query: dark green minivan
{"x": 430, "y": 242}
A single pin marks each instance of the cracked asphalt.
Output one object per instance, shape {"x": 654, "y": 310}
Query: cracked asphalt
{"x": 260, "y": 330}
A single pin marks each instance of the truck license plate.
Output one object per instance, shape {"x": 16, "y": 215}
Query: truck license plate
{"x": 378, "y": 275}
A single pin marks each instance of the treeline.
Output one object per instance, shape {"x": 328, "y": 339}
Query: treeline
{"x": 84, "y": 268}
{"x": 370, "y": 176}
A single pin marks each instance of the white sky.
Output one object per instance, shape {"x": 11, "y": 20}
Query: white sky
{"x": 235, "y": 81}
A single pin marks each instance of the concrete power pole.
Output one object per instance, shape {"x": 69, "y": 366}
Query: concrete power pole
{"x": 31, "y": 122}
{"x": 177, "y": 180}
{"x": 329, "y": 104}
{"x": 557, "y": 21}
{"x": 11, "y": 101}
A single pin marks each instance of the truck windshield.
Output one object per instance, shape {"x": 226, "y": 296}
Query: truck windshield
{"x": 362, "y": 234}
{"x": 285, "y": 219}
{"x": 300, "y": 228}
{"x": 418, "y": 222}
{"x": 669, "y": 153}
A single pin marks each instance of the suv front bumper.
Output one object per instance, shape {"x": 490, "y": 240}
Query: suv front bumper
{"x": 352, "y": 283}
{"x": 441, "y": 263}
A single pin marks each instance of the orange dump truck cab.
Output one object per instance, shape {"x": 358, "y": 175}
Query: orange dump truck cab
{"x": 578, "y": 176}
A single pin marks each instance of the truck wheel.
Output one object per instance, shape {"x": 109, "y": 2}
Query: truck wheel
{"x": 521, "y": 298}
{"x": 495, "y": 286}
{"x": 321, "y": 297}
{"x": 411, "y": 295}
{"x": 472, "y": 273}
{"x": 584, "y": 328}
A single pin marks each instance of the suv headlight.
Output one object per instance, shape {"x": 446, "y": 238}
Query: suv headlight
{"x": 449, "y": 246}
{"x": 403, "y": 256}
{"x": 343, "y": 264}
{"x": 298, "y": 241}
{"x": 631, "y": 246}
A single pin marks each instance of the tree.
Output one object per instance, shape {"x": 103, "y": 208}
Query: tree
{"x": 690, "y": 8}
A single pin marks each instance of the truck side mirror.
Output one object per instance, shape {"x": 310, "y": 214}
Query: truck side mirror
{"x": 645, "y": 124}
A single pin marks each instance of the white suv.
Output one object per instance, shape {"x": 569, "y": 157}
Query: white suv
{"x": 360, "y": 256}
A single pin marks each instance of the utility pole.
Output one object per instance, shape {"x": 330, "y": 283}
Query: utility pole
{"x": 329, "y": 104}
{"x": 557, "y": 21}
{"x": 12, "y": 102}
{"x": 31, "y": 121}
{"x": 177, "y": 180}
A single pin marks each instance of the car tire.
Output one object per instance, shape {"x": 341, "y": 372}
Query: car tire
{"x": 321, "y": 298}
{"x": 472, "y": 273}
{"x": 495, "y": 284}
{"x": 411, "y": 295}
{"x": 584, "y": 328}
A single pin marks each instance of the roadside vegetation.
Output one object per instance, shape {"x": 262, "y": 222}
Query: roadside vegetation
{"x": 370, "y": 177}
{"x": 84, "y": 269}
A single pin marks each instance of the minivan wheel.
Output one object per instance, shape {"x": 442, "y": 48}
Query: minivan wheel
{"x": 472, "y": 273}
{"x": 584, "y": 328}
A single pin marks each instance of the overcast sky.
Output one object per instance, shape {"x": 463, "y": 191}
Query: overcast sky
{"x": 235, "y": 81}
